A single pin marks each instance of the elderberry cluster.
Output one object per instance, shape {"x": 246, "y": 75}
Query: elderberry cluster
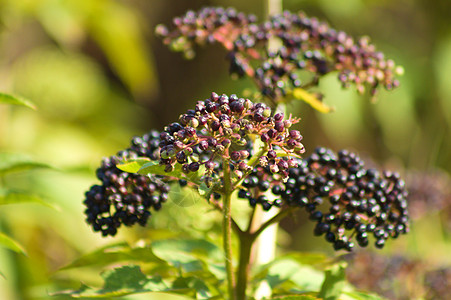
{"x": 125, "y": 198}
{"x": 346, "y": 200}
{"x": 307, "y": 44}
{"x": 223, "y": 129}
{"x": 255, "y": 189}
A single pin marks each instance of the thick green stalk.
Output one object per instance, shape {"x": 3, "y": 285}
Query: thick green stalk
{"x": 227, "y": 230}
{"x": 246, "y": 242}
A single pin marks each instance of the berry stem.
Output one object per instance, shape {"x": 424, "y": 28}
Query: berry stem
{"x": 253, "y": 161}
{"x": 273, "y": 220}
{"x": 227, "y": 229}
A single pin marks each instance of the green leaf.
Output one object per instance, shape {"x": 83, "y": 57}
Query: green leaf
{"x": 191, "y": 255}
{"x": 15, "y": 197}
{"x": 295, "y": 297}
{"x": 205, "y": 191}
{"x": 16, "y": 100}
{"x": 14, "y": 162}
{"x": 194, "y": 247}
{"x": 310, "y": 99}
{"x": 154, "y": 168}
{"x": 195, "y": 177}
{"x": 114, "y": 254}
{"x": 359, "y": 295}
{"x": 334, "y": 282}
{"x": 11, "y": 244}
{"x": 202, "y": 290}
{"x": 133, "y": 166}
{"x": 122, "y": 281}
{"x": 286, "y": 269}
{"x": 145, "y": 166}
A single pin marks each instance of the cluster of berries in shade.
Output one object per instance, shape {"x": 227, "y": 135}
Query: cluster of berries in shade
{"x": 340, "y": 195}
{"x": 307, "y": 44}
{"x": 224, "y": 129}
{"x": 126, "y": 198}
{"x": 346, "y": 200}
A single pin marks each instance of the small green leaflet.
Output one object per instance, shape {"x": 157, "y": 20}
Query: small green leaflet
{"x": 355, "y": 295}
{"x": 133, "y": 166}
{"x": 145, "y": 166}
{"x": 334, "y": 282}
{"x": 310, "y": 99}
{"x": 295, "y": 297}
{"x": 112, "y": 254}
{"x": 191, "y": 255}
{"x": 14, "y": 162}
{"x": 205, "y": 191}
{"x": 153, "y": 167}
{"x": 14, "y": 197}
{"x": 11, "y": 244}
{"x": 15, "y": 100}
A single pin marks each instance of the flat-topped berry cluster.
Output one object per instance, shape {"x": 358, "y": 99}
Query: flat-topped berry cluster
{"x": 307, "y": 44}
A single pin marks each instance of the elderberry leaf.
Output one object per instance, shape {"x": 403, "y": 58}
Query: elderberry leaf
{"x": 133, "y": 165}
{"x": 13, "y": 162}
{"x": 125, "y": 280}
{"x": 334, "y": 282}
{"x": 284, "y": 269}
{"x": 15, "y": 100}
{"x": 155, "y": 168}
{"x": 310, "y": 99}
{"x": 204, "y": 190}
{"x": 196, "y": 176}
{"x": 114, "y": 253}
{"x": 201, "y": 288}
{"x": 194, "y": 248}
{"x": 13, "y": 197}
{"x": 191, "y": 255}
{"x": 295, "y": 297}
{"x": 355, "y": 295}
{"x": 11, "y": 244}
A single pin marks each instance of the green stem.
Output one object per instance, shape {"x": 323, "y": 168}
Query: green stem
{"x": 227, "y": 230}
{"x": 246, "y": 242}
{"x": 273, "y": 220}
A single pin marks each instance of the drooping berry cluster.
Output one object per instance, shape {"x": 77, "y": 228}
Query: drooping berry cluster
{"x": 125, "y": 198}
{"x": 255, "y": 188}
{"x": 346, "y": 200}
{"x": 306, "y": 45}
{"x": 223, "y": 129}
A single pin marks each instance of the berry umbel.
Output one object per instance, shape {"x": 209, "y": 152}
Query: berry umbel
{"x": 307, "y": 46}
{"x": 348, "y": 201}
{"x": 224, "y": 129}
{"x": 126, "y": 198}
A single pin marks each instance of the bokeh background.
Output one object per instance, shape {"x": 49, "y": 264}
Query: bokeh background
{"x": 98, "y": 76}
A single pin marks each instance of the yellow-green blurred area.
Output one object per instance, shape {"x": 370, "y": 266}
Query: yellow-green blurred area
{"x": 99, "y": 76}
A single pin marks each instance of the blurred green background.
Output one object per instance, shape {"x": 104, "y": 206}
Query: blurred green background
{"x": 98, "y": 76}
